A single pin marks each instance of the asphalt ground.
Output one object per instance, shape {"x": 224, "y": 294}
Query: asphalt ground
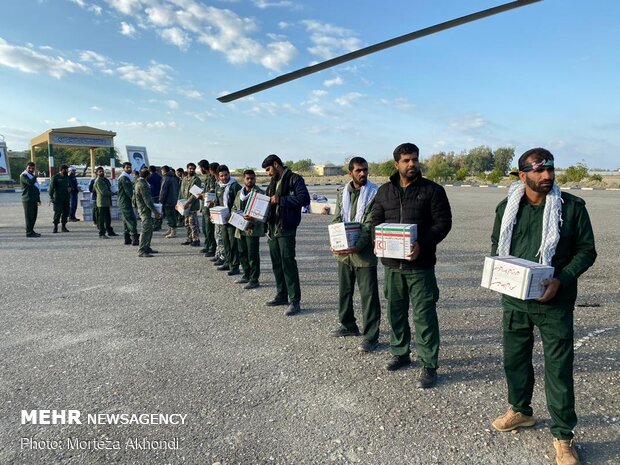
{"x": 86, "y": 325}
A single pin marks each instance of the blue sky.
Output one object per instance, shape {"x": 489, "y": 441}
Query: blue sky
{"x": 546, "y": 75}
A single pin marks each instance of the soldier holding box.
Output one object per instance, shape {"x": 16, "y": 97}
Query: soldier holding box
{"x": 411, "y": 199}
{"x": 354, "y": 204}
{"x": 192, "y": 204}
{"x": 226, "y": 192}
{"x": 125, "y": 204}
{"x": 540, "y": 223}
{"x": 248, "y": 240}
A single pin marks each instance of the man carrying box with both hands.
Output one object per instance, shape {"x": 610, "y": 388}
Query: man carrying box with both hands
{"x": 354, "y": 204}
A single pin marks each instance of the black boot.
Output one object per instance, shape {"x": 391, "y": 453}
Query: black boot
{"x": 127, "y": 239}
{"x": 64, "y": 227}
{"x": 136, "y": 239}
{"x": 55, "y": 228}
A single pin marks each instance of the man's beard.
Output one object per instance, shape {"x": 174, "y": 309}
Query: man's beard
{"x": 539, "y": 188}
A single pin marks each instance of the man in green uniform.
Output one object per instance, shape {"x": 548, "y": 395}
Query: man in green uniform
{"x": 103, "y": 190}
{"x": 192, "y": 204}
{"x": 249, "y": 252}
{"x": 125, "y": 203}
{"x": 31, "y": 198}
{"x": 168, "y": 196}
{"x": 288, "y": 194}
{"x": 226, "y": 191}
{"x": 147, "y": 210}
{"x": 60, "y": 196}
{"x": 354, "y": 204}
{"x": 210, "y": 184}
{"x": 540, "y": 223}
{"x": 411, "y": 199}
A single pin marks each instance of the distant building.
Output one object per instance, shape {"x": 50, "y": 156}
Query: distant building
{"x": 328, "y": 169}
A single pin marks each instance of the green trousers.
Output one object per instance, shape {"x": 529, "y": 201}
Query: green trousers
{"x": 146, "y": 234}
{"x": 231, "y": 246}
{"x": 104, "y": 220}
{"x": 556, "y": 332}
{"x": 31, "y": 210}
{"x": 209, "y": 231}
{"x": 61, "y": 211}
{"x": 249, "y": 257}
{"x": 367, "y": 284}
{"x": 130, "y": 224}
{"x": 171, "y": 215}
{"x": 420, "y": 288}
{"x": 284, "y": 265}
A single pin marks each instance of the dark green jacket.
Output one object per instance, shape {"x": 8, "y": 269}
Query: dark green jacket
{"x": 210, "y": 186}
{"x": 143, "y": 199}
{"x": 575, "y": 252}
{"x": 60, "y": 188}
{"x": 365, "y": 257}
{"x": 232, "y": 193}
{"x": 125, "y": 192}
{"x": 30, "y": 192}
{"x": 184, "y": 193}
{"x": 103, "y": 189}
{"x": 257, "y": 229}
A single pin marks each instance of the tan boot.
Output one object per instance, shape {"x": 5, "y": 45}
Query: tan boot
{"x": 167, "y": 233}
{"x": 565, "y": 453}
{"x": 512, "y": 420}
{"x": 173, "y": 233}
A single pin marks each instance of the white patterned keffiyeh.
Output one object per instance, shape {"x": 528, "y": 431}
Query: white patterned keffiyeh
{"x": 367, "y": 193}
{"x": 552, "y": 219}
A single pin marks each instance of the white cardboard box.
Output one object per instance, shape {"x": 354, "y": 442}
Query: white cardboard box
{"x": 219, "y": 215}
{"x": 344, "y": 236}
{"x": 394, "y": 240}
{"x": 180, "y": 209}
{"x": 159, "y": 208}
{"x": 238, "y": 221}
{"x": 258, "y": 206}
{"x": 515, "y": 277}
{"x": 195, "y": 190}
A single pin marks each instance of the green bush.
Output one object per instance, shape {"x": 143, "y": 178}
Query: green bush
{"x": 596, "y": 177}
{"x": 461, "y": 174}
{"x": 495, "y": 176}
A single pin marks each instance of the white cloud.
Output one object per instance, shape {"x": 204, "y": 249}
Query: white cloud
{"x": 329, "y": 40}
{"x": 317, "y": 110}
{"x": 91, "y": 7}
{"x": 74, "y": 120}
{"x": 319, "y": 93}
{"x": 139, "y": 124}
{"x": 191, "y": 93}
{"x": 468, "y": 122}
{"x": 128, "y": 7}
{"x": 283, "y": 24}
{"x": 30, "y": 61}
{"x": 270, "y": 108}
{"x": 182, "y": 22}
{"x": 175, "y": 36}
{"x": 399, "y": 103}
{"x": 263, "y": 4}
{"x": 337, "y": 81}
{"x": 127, "y": 29}
{"x": 96, "y": 108}
{"x": 157, "y": 77}
{"x": 172, "y": 104}
{"x": 347, "y": 99}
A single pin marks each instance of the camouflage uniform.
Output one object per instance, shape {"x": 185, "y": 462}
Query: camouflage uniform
{"x": 191, "y": 221}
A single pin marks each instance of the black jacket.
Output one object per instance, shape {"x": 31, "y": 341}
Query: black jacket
{"x": 294, "y": 196}
{"x": 169, "y": 193}
{"x": 426, "y": 204}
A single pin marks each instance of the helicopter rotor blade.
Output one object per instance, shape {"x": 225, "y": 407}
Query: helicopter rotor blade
{"x": 372, "y": 49}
